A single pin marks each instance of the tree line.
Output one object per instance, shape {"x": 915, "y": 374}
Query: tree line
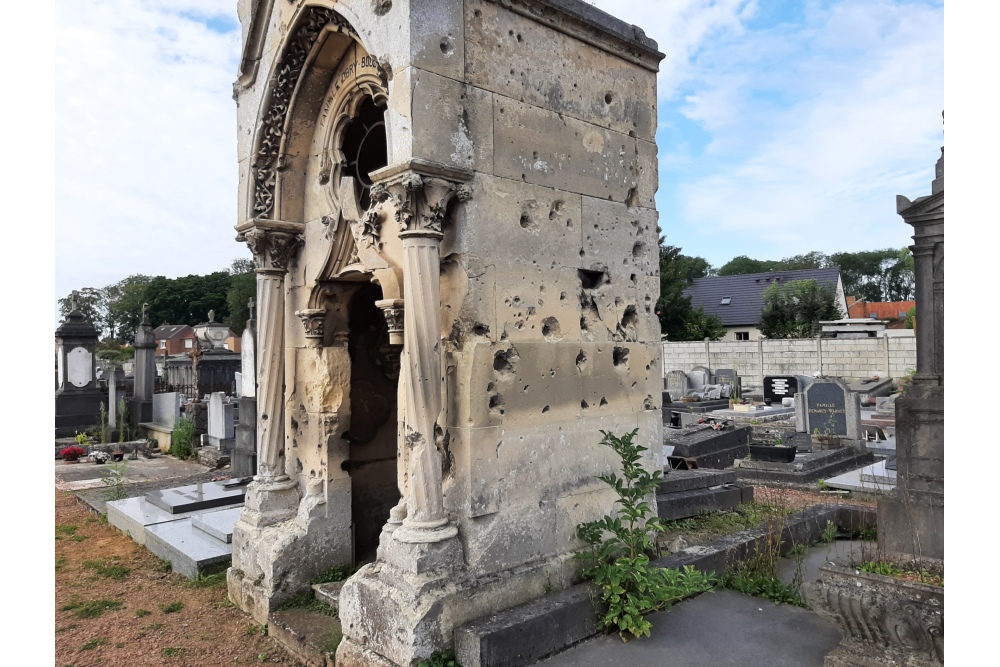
{"x": 789, "y": 311}
{"x": 116, "y": 310}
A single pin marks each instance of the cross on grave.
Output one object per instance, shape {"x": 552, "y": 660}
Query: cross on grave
{"x": 250, "y": 305}
{"x": 145, "y": 313}
{"x": 73, "y": 296}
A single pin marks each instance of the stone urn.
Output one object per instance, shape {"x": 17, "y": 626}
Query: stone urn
{"x": 884, "y": 620}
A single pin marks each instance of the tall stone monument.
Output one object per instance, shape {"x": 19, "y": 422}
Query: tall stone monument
{"x": 78, "y": 400}
{"x": 145, "y": 372}
{"x": 886, "y": 621}
{"x": 450, "y": 207}
{"x": 911, "y": 518}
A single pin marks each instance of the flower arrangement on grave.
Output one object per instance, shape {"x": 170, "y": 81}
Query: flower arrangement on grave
{"x": 100, "y": 457}
{"x": 71, "y": 453}
{"x": 81, "y": 438}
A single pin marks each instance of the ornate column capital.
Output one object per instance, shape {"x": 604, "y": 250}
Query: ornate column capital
{"x": 420, "y": 192}
{"x": 273, "y": 243}
{"x": 313, "y": 320}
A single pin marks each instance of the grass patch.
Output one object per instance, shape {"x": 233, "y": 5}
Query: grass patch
{"x": 66, "y": 529}
{"x": 913, "y": 573}
{"x": 216, "y": 580}
{"x": 171, "y": 607}
{"x": 108, "y": 568}
{"x": 338, "y": 573}
{"x": 164, "y": 565}
{"x": 308, "y": 602}
{"x": 60, "y": 563}
{"x": 94, "y": 643}
{"x": 78, "y": 538}
{"x": 761, "y": 584}
{"x": 91, "y": 608}
{"x": 718, "y": 523}
{"x": 171, "y": 651}
{"x": 154, "y": 626}
{"x": 67, "y": 628}
{"x": 139, "y": 613}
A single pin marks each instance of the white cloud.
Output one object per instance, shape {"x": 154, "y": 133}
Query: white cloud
{"x": 145, "y": 139}
{"x": 867, "y": 84}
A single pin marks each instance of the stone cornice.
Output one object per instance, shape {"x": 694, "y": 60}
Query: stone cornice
{"x": 589, "y": 24}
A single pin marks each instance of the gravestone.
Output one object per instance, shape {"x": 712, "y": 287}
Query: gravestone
{"x": 244, "y": 454}
{"x": 832, "y": 408}
{"x": 777, "y": 387}
{"x": 166, "y": 409}
{"x": 239, "y": 384}
{"x": 677, "y": 384}
{"x": 114, "y": 373}
{"x": 145, "y": 371}
{"x": 698, "y": 377}
{"x": 78, "y": 399}
{"x": 221, "y": 422}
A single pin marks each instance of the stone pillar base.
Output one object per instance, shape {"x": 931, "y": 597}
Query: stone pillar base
{"x": 270, "y": 502}
{"x": 405, "y": 606}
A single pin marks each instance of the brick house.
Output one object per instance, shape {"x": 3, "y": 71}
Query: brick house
{"x": 894, "y": 311}
{"x": 173, "y": 339}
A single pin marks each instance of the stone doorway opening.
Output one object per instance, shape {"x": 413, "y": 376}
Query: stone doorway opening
{"x": 372, "y": 432}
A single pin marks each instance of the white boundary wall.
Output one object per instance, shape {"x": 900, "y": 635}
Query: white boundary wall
{"x": 844, "y": 357}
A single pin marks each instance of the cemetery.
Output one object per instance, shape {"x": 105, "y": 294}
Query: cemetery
{"x": 452, "y": 414}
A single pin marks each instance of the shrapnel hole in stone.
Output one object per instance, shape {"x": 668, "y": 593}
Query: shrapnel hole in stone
{"x": 446, "y": 46}
{"x": 584, "y": 405}
{"x": 496, "y": 402}
{"x": 503, "y": 361}
{"x": 592, "y": 279}
{"x": 581, "y": 360}
{"x": 620, "y": 356}
{"x": 550, "y": 327}
{"x": 604, "y": 401}
{"x": 632, "y": 198}
{"x": 545, "y": 409}
{"x": 525, "y": 221}
{"x": 629, "y": 318}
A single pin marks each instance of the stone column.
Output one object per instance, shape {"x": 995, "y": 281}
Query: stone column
{"x": 271, "y": 497}
{"x": 145, "y": 371}
{"x": 420, "y": 203}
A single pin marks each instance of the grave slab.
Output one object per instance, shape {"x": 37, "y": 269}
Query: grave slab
{"x": 133, "y": 515}
{"x": 201, "y": 496}
{"x": 805, "y": 469}
{"x": 218, "y": 524}
{"x": 189, "y": 551}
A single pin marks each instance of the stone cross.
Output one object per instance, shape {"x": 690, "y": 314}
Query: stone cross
{"x": 145, "y": 313}
{"x": 73, "y": 296}
{"x": 250, "y": 305}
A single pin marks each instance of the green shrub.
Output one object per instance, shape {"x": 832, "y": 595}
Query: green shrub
{"x": 621, "y": 546}
{"x": 182, "y": 439}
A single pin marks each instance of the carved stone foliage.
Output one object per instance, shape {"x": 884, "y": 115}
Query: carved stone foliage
{"x": 421, "y": 202}
{"x": 313, "y": 320}
{"x": 272, "y": 127}
{"x": 884, "y": 621}
{"x": 272, "y": 249}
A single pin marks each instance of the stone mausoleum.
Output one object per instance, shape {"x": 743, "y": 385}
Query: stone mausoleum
{"x": 450, "y": 205}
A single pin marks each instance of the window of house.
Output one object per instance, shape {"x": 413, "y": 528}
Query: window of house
{"x": 188, "y": 343}
{"x": 873, "y": 315}
{"x": 163, "y": 344}
{"x": 726, "y": 300}
{"x": 902, "y": 314}
{"x": 742, "y": 335}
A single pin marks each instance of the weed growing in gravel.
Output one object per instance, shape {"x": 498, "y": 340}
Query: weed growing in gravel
{"x": 171, "y": 651}
{"x": 108, "y": 568}
{"x": 139, "y": 613}
{"x": 440, "y": 659}
{"x": 94, "y": 643}
{"x": 172, "y": 607}
{"x": 91, "y": 608}
{"x": 66, "y": 529}
{"x": 308, "y": 602}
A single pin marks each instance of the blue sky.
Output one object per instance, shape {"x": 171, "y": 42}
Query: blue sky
{"x": 784, "y": 127}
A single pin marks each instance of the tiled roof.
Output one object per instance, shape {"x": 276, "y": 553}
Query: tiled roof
{"x": 884, "y": 310}
{"x": 169, "y": 330}
{"x": 744, "y": 292}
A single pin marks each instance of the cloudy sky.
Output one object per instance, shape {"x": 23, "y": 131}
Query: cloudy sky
{"x": 784, "y": 127}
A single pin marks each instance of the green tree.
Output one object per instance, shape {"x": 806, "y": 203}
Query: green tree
{"x": 92, "y": 305}
{"x": 124, "y": 303}
{"x": 792, "y": 310}
{"x": 743, "y": 265}
{"x": 242, "y": 288}
{"x": 876, "y": 275}
{"x": 188, "y": 299}
{"x": 678, "y": 320}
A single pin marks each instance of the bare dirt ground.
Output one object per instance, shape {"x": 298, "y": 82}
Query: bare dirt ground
{"x": 116, "y": 605}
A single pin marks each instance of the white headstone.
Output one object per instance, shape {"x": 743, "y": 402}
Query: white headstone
{"x": 80, "y": 367}
{"x": 249, "y": 370}
{"x": 221, "y": 421}
{"x": 166, "y": 408}
{"x": 239, "y": 384}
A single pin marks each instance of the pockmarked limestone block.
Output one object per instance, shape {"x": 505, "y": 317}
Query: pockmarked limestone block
{"x": 451, "y": 210}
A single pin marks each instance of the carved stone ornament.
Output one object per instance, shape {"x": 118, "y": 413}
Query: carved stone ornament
{"x": 421, "y": 203}
{"x": 394, "y": 314}
{"x": 272, "y": 249}
{"x": 313, "y": 320}
{"x": 272, "y": 126}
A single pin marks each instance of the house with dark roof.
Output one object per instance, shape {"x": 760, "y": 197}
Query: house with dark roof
{"x": 738, "y": 300}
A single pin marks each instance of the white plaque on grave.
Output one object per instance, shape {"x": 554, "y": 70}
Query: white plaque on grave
{"x": 249, "y": 388}
{"x": 80, "y": 367}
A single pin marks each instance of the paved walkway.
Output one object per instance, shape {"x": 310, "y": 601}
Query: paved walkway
{"x": 726, "y": 628}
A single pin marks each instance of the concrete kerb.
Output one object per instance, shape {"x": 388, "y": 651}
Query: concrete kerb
{"x": 527, "y": 633}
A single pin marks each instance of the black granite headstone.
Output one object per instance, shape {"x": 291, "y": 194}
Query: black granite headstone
{"x": 826, "y": 408}
{"x": 777, "y": 387}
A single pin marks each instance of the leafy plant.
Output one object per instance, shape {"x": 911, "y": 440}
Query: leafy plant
{"x": 109, "y": 568}
{"x": 823, "y": 486}
{"x": 620, "y": 549}
{"x": 103, "y": 434}
{"x": 172, "y": 607}
{"x": 114, "y": 478}
{"x": 181, "y": 440}
{"x": 829, "y": 533}
{"x": 123, "y": 421}
{"x": 751, "y": 579}
{"x": 336, "y": 573}
{"x": 81, "y": 438}
{"x": 440, "y": 659}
